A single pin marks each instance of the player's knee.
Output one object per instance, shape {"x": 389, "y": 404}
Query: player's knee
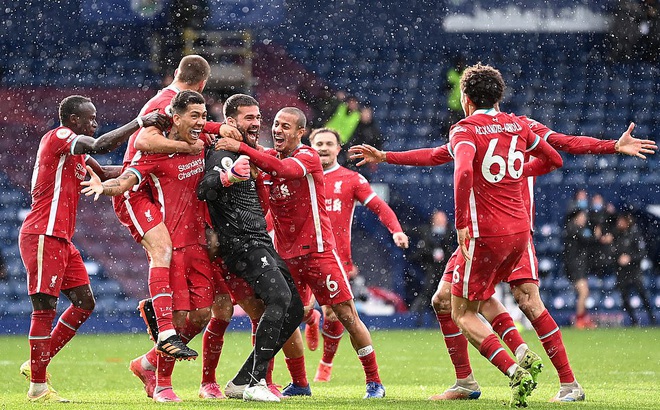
{"x": 222, "y": 309}
{"x": 200, "y": 318}
{"x": 441, "y": 303}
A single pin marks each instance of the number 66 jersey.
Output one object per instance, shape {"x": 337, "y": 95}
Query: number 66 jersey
{"x": 492, "y": 146}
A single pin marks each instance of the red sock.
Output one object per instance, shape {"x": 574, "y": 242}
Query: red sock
{"x": 255, "y": 324}
{"x": 40, "y": 326}
{"x": 152, "y": 357}
{"x": 164, "y": 371}
{"x": 67, "y": 326}
{"x": 212, "y": 348}
{"x": 269, "y": 372}
{"x": 161, "y": 297}
{"x": 370, "y": 367}
{"x": 550, "y": 336}
{"x": 188, "y": 332}
{"x": 457, "y": 345}
{"x": 297, "y": 370}
{"x": 503, "y": 325}
{"x": 332, "y": 332}
{"x": 492, "y": 349}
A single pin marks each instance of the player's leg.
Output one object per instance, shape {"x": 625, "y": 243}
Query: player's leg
{"x": 212, "y": 344}
{"x": 502, "y": 323}
{"x": 582, "y": 320}
{"x": 332, "y": 333}
{"x": 528, "y": 298}
{"x": 312, "y": 320}
{"x": 466, "y": 387}
{"x": 465, "y": 313}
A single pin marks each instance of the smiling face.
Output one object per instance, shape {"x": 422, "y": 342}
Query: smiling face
{"x": 286, "y": 132}
{"x": 248, "y": 122}
{"x": 327, "y": 146}
{"x": 190, "y": 123}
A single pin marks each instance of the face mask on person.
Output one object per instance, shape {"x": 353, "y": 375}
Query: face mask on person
{"x": 439, "y": 230}
{"x": 582, "y": 204}
{"x": 597, "y": 207}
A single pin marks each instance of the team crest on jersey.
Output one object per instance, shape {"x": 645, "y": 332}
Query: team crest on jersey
{"x": 264, "y": 262}
{"x": 147, "y": 215}
{"x": 338, "y": 187}
{"x": 63, "y": 133}
{"x": 53, "y": 282}
{"x": 226, "y": 162}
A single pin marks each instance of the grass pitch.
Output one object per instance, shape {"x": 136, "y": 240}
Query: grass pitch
{"x": 619, "y": 369}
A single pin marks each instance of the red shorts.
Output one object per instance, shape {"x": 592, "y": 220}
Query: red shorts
{"x": 323, "y": 275}
{"x": 138, "y": 213}
{"x": 52, "y": 264}
{"x": 226, "y": 282}
{"x": 527, "y": 270}
{"x": 191, "y": 278}
{"x": 492, "y": 261}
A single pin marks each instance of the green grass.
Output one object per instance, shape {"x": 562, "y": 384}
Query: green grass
{"x": 619, "y": 369}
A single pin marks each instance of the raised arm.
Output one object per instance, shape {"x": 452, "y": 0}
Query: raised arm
{"x": 288, "y": 168}
{"x": 113, "y": 139}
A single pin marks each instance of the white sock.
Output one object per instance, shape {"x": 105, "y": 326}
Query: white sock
{"x": 520, "y": 351}
{"x": 511, "y": 370}
{"x": 146, "y": 364}
{"x": 165, "y": 334}
{"x": 37, "y": 388}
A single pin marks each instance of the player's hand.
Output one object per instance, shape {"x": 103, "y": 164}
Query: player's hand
{"x": 227, "y": 144}
{"x": 366, "y": 154}
{"x": 630, "y": 145}
{"x": 156, "y": 119}
{"x": 401, "y": 240}
{"x": 463, "y": 239}
{"x": 227, "y": 131}
{"x": 238, "y": 172}
{"x": 93, "y": 186}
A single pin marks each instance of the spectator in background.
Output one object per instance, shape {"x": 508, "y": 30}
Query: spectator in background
{"x": 345, "y": 119}
{"x": 435, "y": 245}
{"x": 366, "y": 132}
{"x": 580, "y": 202}
{"x": 323, "y": 103}
{"x": 454, "y": 92}
{"x": 602, "y": 217}
{"x": 625, "y": 30}
{"x": 3, "y": 268}
{"x": 578, "y": 240}
{"x": 629, "y": 249}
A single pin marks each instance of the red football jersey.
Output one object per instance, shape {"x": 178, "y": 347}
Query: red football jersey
{"x": 494, "y": 205}
{"x": 343, "y": 190}
{"x": 173, "y": 182}
{"x": 55, "y": 185}
{"x": 158, "y": 102}
{"x": 301, "y": 222}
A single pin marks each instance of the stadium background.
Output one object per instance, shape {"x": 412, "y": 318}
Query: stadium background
{"x": 393, "y": 54}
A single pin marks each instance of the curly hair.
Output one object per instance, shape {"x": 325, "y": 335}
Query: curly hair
{"x": 483, "y": 84}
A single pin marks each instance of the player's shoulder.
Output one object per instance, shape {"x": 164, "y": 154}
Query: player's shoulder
{"x": 60, "y": 135}
{"x": 305, "y": 151}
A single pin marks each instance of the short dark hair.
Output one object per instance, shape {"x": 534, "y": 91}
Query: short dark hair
{"x": 301, "y": 118}
{"x": 236, "y": 101}
{"x": 71, "y": 105}
{"x": 193, "y": 69}
{"x": 321, "y": 131}
{"x": 183, "y": 99}
{"x": 483, "y": 84}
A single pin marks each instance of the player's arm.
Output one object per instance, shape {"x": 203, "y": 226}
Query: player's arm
{"x": 111, "y": 187}
{"x": 152, "y": 140}
{"x": 288, "y": 168}
{"x": 223, "y": 130}
{"x": 464, "y": 152}
{"x": 626, "y": 144}
{"x": 113, "y": 139}
{"x": 385, "y": 214}
{"x": 423, "y": 157}
{"x": 103, "y": 171}
{"x": 546, "y": 158}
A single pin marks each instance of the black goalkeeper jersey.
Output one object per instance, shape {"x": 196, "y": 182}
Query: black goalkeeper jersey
{"x": 236, "y": 212}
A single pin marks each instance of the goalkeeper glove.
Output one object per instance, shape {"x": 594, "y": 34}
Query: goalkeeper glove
{"x": 239, "y": 171}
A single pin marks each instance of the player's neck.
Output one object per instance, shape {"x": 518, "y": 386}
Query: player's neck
{"x": 327, "y": 167}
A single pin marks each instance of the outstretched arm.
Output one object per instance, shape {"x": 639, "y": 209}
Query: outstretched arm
{"x": 111, "y": 187}
{"x": 223, "y": 130}
{"x": 113, "y": 139}
{"x": 388, "y": 218}
{"x": 627, "y": 144}
{"x": 288, "y": 168}
{"x": 423, "y": 157}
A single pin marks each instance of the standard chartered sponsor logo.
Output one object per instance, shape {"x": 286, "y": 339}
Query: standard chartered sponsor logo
{"x": 190, "y": 169}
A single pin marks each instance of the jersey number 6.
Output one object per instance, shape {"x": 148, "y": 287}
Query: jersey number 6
{"x": 509, "y": 165}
